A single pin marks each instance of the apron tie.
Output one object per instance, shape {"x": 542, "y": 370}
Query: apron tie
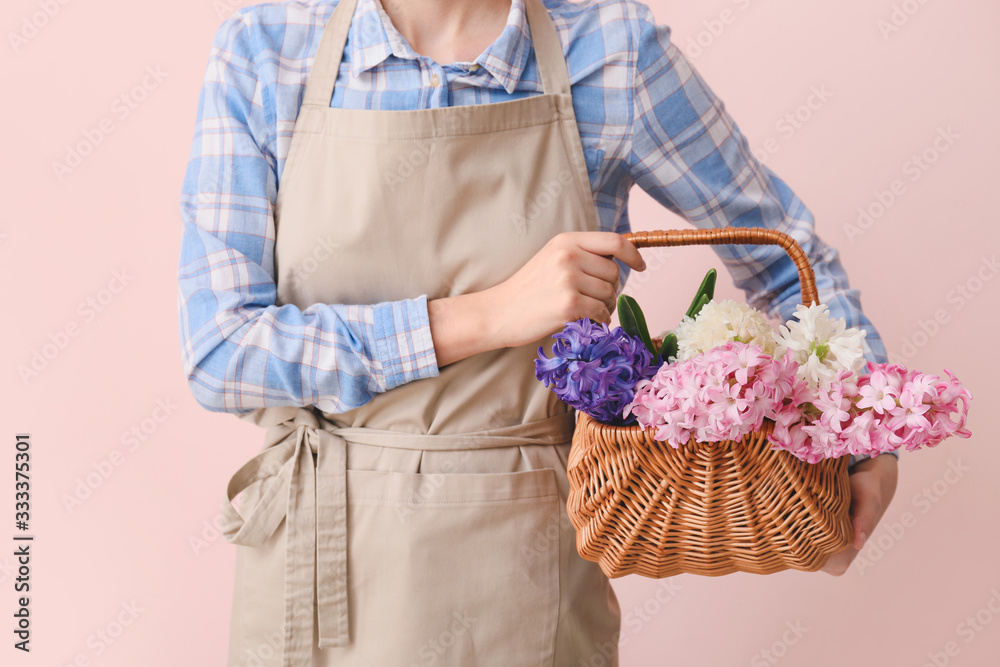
{"x": 315, "y": 506}
{"x": 315, "y": 509}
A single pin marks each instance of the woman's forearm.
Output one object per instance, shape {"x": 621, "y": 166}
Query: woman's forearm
{"x": 462, "y": 326}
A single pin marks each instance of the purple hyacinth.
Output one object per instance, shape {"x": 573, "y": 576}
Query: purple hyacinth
{"x": 595, "y": 369}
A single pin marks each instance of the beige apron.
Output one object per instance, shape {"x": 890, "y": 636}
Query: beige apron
{"x": 427, "y": 526}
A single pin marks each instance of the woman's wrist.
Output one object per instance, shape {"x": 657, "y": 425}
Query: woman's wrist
{"x": 462, "y": 326}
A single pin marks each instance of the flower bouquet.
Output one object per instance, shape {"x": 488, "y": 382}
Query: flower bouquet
{"x": 760, "y": 424}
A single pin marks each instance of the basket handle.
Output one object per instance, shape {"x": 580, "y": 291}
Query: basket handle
{"x": 734, "y": 235}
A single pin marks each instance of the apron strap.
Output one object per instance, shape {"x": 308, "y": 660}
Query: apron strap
{"x": 548, "y": 49}
{"x": 315, "y": 506}
{"x": 326, "y": 63}
{"x": 315, "y": 510}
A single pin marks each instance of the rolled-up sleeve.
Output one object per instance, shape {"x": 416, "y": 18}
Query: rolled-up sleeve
{"x": 690, "y": 156}
{"x": 240, "y": 350}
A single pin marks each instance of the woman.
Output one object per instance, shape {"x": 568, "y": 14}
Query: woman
{"x": 372, "y": 282}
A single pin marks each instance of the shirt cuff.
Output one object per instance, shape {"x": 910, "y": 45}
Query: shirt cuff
{"x": 856, "y": 458}
{"x": 403, "y": 344}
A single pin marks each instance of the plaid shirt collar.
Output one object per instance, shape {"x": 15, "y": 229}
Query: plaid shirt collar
{"x": 505, "y": 59}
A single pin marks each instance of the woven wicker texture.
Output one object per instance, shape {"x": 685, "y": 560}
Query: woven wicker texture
{"x": 640, "y": 506}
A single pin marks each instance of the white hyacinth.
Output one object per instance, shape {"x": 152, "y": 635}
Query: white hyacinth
{"x": 719, "y": 322}
{"x": 821, "y": 345}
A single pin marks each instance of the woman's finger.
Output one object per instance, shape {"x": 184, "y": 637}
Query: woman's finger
{"x": 866, "y": 507}
{"x": 600, "y": 267}
{"x": 597, "y": 288}
{"x": 613, "y": 244}
{"x": 873, "y": 485}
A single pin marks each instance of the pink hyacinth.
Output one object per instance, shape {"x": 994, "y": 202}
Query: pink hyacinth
{"x": 728, "y": 391}
{"x": 889, "y": 408}
{"x": 721, "y": 394}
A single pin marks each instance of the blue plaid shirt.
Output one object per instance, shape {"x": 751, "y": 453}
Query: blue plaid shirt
{"x": 645, "y": 117}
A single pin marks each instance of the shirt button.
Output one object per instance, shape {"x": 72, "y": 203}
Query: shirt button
{"x": 473, "y": 67}
{"x": 435, "y": 80}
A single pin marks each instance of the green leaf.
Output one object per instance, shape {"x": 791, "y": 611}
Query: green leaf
{"x": 701, "y": 304}
{"x": 633, "y": 321}
{"x": 707, "y": 288}
{"x": 668, "y": 348}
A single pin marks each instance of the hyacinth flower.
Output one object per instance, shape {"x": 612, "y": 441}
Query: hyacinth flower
{"x": 887, "y": 409}
{"x": 595, "y": 369}
{"x": 821, "y": 345}
{"x": 719, "y": 322}
{"x": 732, "y": 372}
{"x": 721, "y": 394}
{"x": 727, "y": 391}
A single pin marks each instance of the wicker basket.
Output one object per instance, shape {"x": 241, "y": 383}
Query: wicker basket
{"x": 640, "y": 506}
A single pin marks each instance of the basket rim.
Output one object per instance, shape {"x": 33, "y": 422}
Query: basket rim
{"x": 638, "y": 429}
{"x": 633, "y": 428}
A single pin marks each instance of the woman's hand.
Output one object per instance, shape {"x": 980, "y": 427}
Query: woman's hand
{"x": 571, "y": 277}
{"x": 873, "y": 484}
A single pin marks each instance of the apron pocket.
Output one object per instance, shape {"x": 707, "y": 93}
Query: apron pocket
{"x": 453, "y": 568}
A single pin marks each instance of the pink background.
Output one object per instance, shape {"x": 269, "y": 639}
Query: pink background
{"x": 133, "y": 543}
